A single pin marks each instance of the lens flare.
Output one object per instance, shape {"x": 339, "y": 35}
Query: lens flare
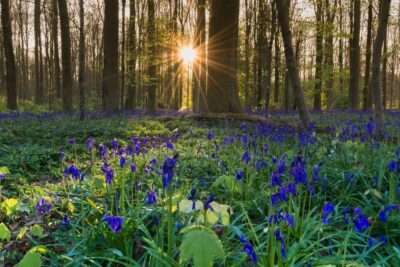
{"x": 188, "y": 54}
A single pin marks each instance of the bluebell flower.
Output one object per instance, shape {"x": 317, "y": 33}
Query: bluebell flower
{"x": 202, "y": 181}
{"x": 133, "y": 168}
{"x": 72, "y": 141}
{"x": 289, "y": 219}
{"x": 392, "y": 166}
{"x": 107, "y": 172}
{"x": 382, "y": 216}
{"x": 42, "y": 207}
{"x": 207, "y": 204}
{"x": 359, "y": 220}
{"x": 246, "y": 157}
{"x": 170, "y": 145}
{"x": 151, "y": 197}
{"x": 210, "y": 135}
{"x": 280, "y": 238}
{"x": 66, "y": 221}
{"x": 90, "y": 144}
{"x": 383, "y": 239}
{"x": 103, "y": 151}
{"x": 72, "y": 171}
{"x": 275, "y": 180}
{"x": 248, "y": 248}
{"x": 371, "y": 242}
{"x": 274, "y": 160}
{"x": 327, "y": 210}
{"x": 122, "y": 161}
{"x": 390, "y": 208}
{"x": 244, "y": 140}
{"x": 239, "y": 175}
{"x": 192, "y": 197}
{"x": 62, "y": 155}
{"x": 168, "y": 171}
{"x": 114, "y": 223}
{"x": 2, "y": 176}
{"x": 114, "y": 144}
{"x": 265, "y": 148}
{"x": 153, "y": 161}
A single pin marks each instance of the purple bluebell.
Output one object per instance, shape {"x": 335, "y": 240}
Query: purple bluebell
{"x": 108, "y": 172}
{"x": 248, "y": 248}
{"x": 72, "y": 141}
{"x": 246, "y": 157}
{"x": 240, "y": 175}
{"x": 382, "y": 216}
{"x": 122, "y": 161}
{"x": 66, "y": 221}
{"x": 210, "y": 135}
{"x": 90, "y": 144}
{"x": 359, "y": 220}
{"x": 114, "y": 223}
{"x": 168, "y": 171}
{"x": 151, "y": 197}
{"x": 42, "y": 207}
{"x": 207, "y": 204}
{"x": 327, "y": 211}
{"x": 62, "y": 155}
{"x": 133, "y": 168}
{"x": 2, "y": 176}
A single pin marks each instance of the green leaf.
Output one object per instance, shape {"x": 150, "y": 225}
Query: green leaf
{"x": 4, "y": 232}
{"x": 10, "y": 205}
{"x": 22, "y": 232}
{"x": 201, "y": 245}
{"x": 230, "y": 183}
{"x": 4, "y": 170}
{"x": 37, "y": 231}
{"x": 31, "y": 260}
{"x": 186, "y": 206}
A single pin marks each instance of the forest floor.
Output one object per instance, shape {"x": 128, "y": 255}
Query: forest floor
{"x": 129, "y": 189}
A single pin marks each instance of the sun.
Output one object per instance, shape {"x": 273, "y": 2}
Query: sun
{"x": 188, "y": 54}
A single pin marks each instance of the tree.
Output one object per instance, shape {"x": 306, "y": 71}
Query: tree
{"x": 11, "y": 80}
{"x": 123, "y": 56}
{"x": 283, "y": 18}
{"x": 131, "y": 61}
{"x": 367, "y": 97}
{"x": 56, "y": 63}
{"x": 319, "y": 46}
{"x": 199, "y": 88}
{"x": 384, "y": 12}
{"x": 66, "y": 56}
{"x": 329, "y": 51}
{"x": 152, "y": 68}
{"x": 355, "y": 55}
{"x": 222, "y": 95}
{"x": 82, "y": 62}
{"x": 110, "y": 88}
{"x": 38, "y": 55}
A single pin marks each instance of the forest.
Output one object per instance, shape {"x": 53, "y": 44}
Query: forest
{"x": 199, "y": 133}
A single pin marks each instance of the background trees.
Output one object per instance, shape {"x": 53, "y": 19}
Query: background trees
{"x": 242, "y": 66}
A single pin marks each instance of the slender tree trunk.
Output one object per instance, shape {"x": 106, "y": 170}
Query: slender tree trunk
{"x": 123, "y": 56}
{"x": 38, "y": 55}
{"x": 384, "y": 74}
{"x": 152, "y": 68}
{"x": 82, "y": 63}
{"x": 56, "y": 62}
{"x": 66, "y": 56}
{"x": 222, "y": 95}
{"x": 131, "y": 98}
{"x": 11, "y": 79}
{"x": 355, "y": 56}
{"x": 111, "y": 91}
{"x": 367, "y": 96}
{"x": 319, "y": 55}
{"x": 340, "y": 56}
{"x": 247, "y": 53}
{"x": 375, "y": 66}
{"x": 329, "y": 50}
{"x": 283, "y": 18}
{"x": 268, "y": 58}
{"x": 199, "y": 89}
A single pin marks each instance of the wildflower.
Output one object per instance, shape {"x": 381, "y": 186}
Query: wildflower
{"x": 103, "y": 151}
{"x": 248, "y": 248}
{"x": 62, "y": 155}
{"x": 192, "y": 197}
{"x": 246, "y": 157}
{"x": 114, "y": 144}
{"x": 371, "y": 241}
{"x": 108, "y": 172}
{"x": 245, "y": 140}
{"x": 114, "y": 223}
{"x": 42, "y": 207}
{"x": 72, "y": 141}
{"x": 280, "y": 238}
{"x": 202, "y": 181}
{"x": 359, "y": 220}
{"x": 289, "y": 219}
{"x": 90, "y": 144}
{"x": 383, "y": 239}
{"x": 210, "y": 135}
{"x": 240, "y": 175}
{"x": 2, "y": 175}
{"x": 66, "y": 221}
{"x": 275, "y": 180}
{"x": 265, "y": 148}
{"x": 169, "y": 145}
{"x": 72, "y": 171}
{"x": 168, "y": 171}
{"x": 133, "y": 168}
{"x": 207, "y": 204}
{"x": 382, "y": 216}
{"x": 327, "y": 210}
{"x": 122, "y": 161}
{"x": 151, "y": 197}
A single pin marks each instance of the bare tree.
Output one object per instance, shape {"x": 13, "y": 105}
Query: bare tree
{"x": 82, "y": 63}
{"x": 355, "y": 55}
{"x": 152, "y": 68}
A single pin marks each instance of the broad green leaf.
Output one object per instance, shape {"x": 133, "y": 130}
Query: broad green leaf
{"x": 220, "y": 213}
{"x": 201, "y": 245}
{"x": 37, "y": 231}
{"x": 186, "y": 206}
{"x": 31, "y": 260}
{"x": 22, "y": 232}
{"x": 10, "y": 205}
{"x": 4, "y": 170}
{"x": 4, "y": 232}
{"x": 230, "y": 183}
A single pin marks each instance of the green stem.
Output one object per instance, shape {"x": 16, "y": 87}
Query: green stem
{"x": 170, "y": 222}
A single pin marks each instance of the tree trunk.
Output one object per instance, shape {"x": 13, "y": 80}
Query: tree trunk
{"x": 367, "y": 97}
{"x": 319, "y": 55}
{"x": 131, "y": 97}
{"x": 329, "y": 50}
{"x": 222, "y": 95}
{"x": 11, "y": 79}
{"x": 384, "y": 74}
{"x": 111, "y": 90}
{"x": 66, "y": 56}
{"x": 283, "y": 18}
{"x": 82, "y": 62}
{"x": 56, "y": 63}
{"x": 38, "y": 55}
{"x": 123, "y": 56}
{"x": 355, "y": 56}
{"x": 199, "y": 89}
{"x": 152, "y": 68}
{"x": 375, "y": 66}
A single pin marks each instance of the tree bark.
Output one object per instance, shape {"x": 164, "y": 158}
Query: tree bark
{"x": 199, "y": 89}
{"x": 38, "y": 55}
{"x": 367, "y": 96}
{"x": 375, "y": 66}
{"x": 56, "y": 63}
{"x": 131, "y": 86}
{"x": 283, "y": 18}
{"x": 355, "y": 56}
{"x": 319, "y": 45}
{"x": 111, "y": 90}
{"x": 222, "y": 95}
{"x": 11, "y": 79}
{"x": 82, "y": 62}
{"x": 152, "y": 68}
{"x": 66, "y": 56}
